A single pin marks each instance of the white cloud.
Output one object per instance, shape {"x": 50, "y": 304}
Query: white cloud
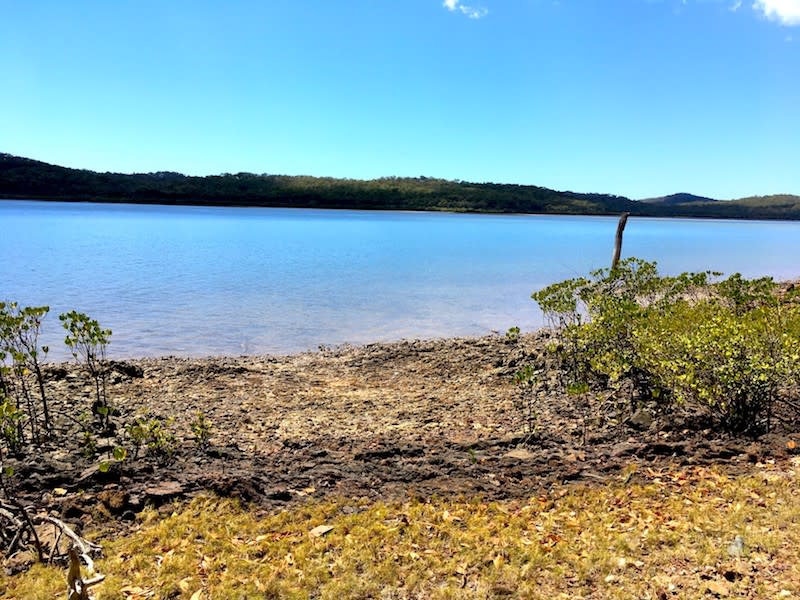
{"x": 736, "y": 5}
{"x": 786, "y": 12}
{"x": 470, "y": 11}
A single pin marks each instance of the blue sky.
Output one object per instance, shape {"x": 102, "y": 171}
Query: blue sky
{"x": 631, "y": 97}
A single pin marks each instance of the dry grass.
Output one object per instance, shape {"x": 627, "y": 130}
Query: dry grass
{"x": 665, "y": 536}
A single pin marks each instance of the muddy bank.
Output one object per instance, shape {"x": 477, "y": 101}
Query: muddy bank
{"x": 414, "y": 418}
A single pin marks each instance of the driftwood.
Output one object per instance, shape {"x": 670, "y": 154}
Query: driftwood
{"x": 19, "y": 531}
{"x": 77, "y": 587}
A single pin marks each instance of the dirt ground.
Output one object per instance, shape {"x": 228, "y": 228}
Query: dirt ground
{"x": 382, "y": 421}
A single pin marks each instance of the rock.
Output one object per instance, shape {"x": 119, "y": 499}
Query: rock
{"x": 641, "y": 420}
{"x": 74, "y": 508}
{"x": 115, "y": 500}
{"x": 88, "y": 473}
{"x": 55, "y": 372}
{"x": 127, "y": 369}
{"x": 164, "y": 489}
{"x": 624, "y": 449}
{"x": 520, "y": 454}
{"x": 243, "y": 487}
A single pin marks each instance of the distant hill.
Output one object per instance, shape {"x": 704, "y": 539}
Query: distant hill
{"x": 779, "y": 206}
{"x": 681, "y": 198}
{"x": 774, "y": 201}
{"x": 24, "y": 178}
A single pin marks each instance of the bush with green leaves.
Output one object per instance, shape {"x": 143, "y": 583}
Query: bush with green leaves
{"x": 154, "y": 433}
{"x": 201, "y": 428}
{"x": 115, "y": 458}
{"x": 738, "y": 365}
{"x": 730, "y": 346}
{"x": 88, "y": 343}
{"x": 11, "y": 419}
{"x": 597, "y": 317}
{"x": 24, "y": 411}
{"x": 21, "y": 361}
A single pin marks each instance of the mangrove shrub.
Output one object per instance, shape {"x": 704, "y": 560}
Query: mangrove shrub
{"x": 730, "y": 346}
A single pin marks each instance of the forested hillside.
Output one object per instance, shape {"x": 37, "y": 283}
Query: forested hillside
{"x": 24, "y": 178}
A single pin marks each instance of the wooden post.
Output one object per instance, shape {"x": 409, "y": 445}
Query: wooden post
{"x": 623, "y": 219}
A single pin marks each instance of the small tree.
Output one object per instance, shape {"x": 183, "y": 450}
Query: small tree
{"x": 88, "y": 343}
{"x": 19, "y": 340}
{"x": 526, "y": 381}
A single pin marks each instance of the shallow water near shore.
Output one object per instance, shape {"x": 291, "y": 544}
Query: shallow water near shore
{"x": 197, "y": 281}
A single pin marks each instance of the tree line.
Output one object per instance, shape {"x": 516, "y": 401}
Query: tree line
{"x": 23, "y": 178}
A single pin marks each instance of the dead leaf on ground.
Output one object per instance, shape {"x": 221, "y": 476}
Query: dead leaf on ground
{"x": 320, "y": 530}
{"x": 718, "y": 588}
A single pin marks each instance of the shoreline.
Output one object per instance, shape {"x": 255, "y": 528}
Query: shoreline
{"x": 784, "y": 286}
{"x": 457, "y": 211}
{"x": 380, "y": 424}
{"x": 379, "y": 421}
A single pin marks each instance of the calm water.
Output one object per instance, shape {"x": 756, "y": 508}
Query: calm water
{"x": 203, "y": 281}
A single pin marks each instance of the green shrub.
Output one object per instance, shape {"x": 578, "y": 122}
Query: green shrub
{"x": 597, "y": 317}
{"x": 88, "y": 343}
{"x": 201, "y": 429}
{"x": 512, "y": 335}
{"x": 10, "y": 426}
{"x": 155, "y": 434}
{"x": 731, "y": 346}
{"x": 20, "y": 328}
{"x": 742, "y": 294}
{"x": 735, "y": 364}
{"x": 24, "y": 410}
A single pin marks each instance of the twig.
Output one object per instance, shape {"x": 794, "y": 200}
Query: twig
{"x": 6, "y": 512}
{"x": 17, "y": 525}
{"x": 58, "y": 537}
{"x": 15, "y": 505}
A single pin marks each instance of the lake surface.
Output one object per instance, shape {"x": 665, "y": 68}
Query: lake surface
{"x": 198, "y": 281}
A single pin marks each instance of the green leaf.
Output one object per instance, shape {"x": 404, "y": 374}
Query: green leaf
{"x": 576, "y": 389}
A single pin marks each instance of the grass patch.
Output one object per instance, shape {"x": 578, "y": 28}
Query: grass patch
{"x": 666, "y": 536}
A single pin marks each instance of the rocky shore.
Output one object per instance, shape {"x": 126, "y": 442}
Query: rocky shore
{"x": 413, "y": 418}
